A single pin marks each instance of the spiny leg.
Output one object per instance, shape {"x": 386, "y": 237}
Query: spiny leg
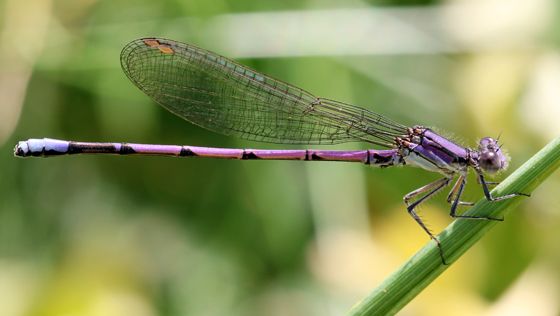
{"x": 489, "y": 196}
{"x": 487, "y": 182}
{"x": 431, "y": 189}
{"x": 453, "y": 193}
{"x": 424, "y": 188}
{"x": 460, "y": 184}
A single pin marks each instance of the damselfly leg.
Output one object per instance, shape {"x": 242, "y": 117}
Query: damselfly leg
{"x": 428, "y": 190}
{"x": 489, "y": 196}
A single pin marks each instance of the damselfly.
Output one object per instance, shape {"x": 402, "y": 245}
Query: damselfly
{"x": 226, "y": 97}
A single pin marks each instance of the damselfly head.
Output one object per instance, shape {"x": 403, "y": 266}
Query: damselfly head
{"x": 491, "y": 157}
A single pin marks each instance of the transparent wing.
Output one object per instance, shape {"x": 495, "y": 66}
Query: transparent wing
{"x": 221, "y": 95}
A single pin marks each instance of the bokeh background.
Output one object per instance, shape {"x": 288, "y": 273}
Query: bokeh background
{"x": 161, "y": 236}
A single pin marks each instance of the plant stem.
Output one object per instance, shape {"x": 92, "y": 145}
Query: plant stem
{"x": 425, "y": 266}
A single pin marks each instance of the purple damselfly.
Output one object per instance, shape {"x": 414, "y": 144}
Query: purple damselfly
{"x": 223, "y": 96}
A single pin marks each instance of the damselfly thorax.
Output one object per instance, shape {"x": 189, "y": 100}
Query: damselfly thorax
{"x": 424, "y": 148}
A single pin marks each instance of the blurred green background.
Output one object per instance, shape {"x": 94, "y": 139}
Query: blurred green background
{"x": 160, "y": 236}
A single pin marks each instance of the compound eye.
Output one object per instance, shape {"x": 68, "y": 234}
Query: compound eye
{"x": 487, "y": 143}
{"x": 490, "y": 161}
